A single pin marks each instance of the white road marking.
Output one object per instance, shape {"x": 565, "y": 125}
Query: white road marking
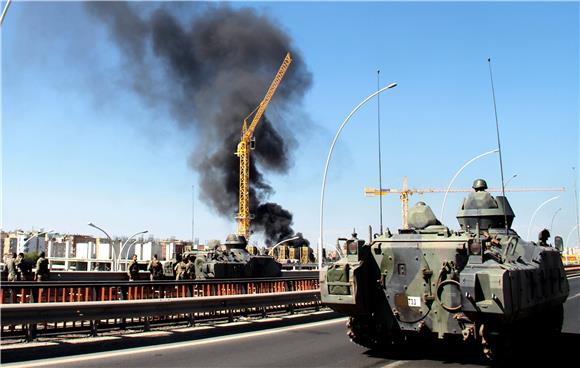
{"x": 150, "y": 349}
{"x": 398, "y": 363}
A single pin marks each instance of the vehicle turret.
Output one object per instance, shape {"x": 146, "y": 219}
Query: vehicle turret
{"x": 481, "y": 209}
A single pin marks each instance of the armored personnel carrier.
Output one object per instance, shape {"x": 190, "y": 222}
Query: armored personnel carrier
{"x": 232, "y": 260}
{"x": 482, "y": 283}
{"x": 229, "y": 260}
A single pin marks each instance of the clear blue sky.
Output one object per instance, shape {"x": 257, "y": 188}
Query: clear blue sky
{"x": 74, "y": 149}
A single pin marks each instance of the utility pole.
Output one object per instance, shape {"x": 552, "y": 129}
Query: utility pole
{"x": 192, "y": 215}
{"x": 380, "y": 165}
{"x": 576, "y": 200}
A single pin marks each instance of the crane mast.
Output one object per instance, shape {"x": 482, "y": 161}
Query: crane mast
{"x": 243, "y": 150}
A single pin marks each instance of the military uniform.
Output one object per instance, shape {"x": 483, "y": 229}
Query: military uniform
{"x": 133, "y": 270}
{"x": 180, "y": 270}
{"x": 156, "y": 269}
{"x": 190, "y": 269}
{"x": 21, "y": 267}
{"x": 42, "y": 272}
{"x": 198, "y": 264}
{"x": 543, "y": 237}
{"x": 11, "y": 269}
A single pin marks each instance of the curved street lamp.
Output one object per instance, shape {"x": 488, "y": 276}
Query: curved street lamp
{"x": 553, "y": 217}
{"x": 36, "y": 236}
{"x": 321, "y": 238}
{"x": 457, "y": 174}
{"x": 111, "y": 242}
{"x": 570, "y": 234}
{"x": 282, "y": 242}
{"x": 536, "y": 211}
{"x": 125, "y": 243}
{"x": 510, "y": 179}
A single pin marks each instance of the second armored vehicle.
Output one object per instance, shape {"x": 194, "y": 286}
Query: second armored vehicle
{"x": 230, "y": 260}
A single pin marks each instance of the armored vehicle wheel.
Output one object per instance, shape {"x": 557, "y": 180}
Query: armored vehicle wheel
{"x": 496, "y": 343}
{"x": 364, "y": 331}
{"x": 360, "y": 331}
{"x": 554, "y": 321}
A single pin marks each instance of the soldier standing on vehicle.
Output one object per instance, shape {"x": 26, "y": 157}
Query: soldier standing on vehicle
{"x": 11, "y": 268}
{"x": 155, "y": 269}
{"x": 543, "y": 237}
{"x": 42, "y": 271}
{"x": 133, "y": 269}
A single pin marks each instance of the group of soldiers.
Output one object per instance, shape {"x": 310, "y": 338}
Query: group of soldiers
{"x": 155, "y": 269}
{"x": 186, "y": 268}
{"x": 19, "y": 269}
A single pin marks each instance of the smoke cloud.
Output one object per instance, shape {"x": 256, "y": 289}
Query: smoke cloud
{"x": 210, "y": 72}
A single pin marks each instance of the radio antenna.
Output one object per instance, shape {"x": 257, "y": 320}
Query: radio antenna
{"x": 380, "y": 165}
{"x": 498, "y": 147}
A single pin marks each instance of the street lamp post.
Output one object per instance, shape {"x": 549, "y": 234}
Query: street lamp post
{"x": 282, "y": 242}
{"x": 111, "y": 242}
{"x": 457, "y": 174}
{"x": 125, "y": 243}
{"x": 510, "y": 179}
{"x": 570, "y": 234}
{"x": 321, "y": 238}
{"x": 35, "y": 236}
{"x": 536, "y": 211}
{"x": 553, "y": 217}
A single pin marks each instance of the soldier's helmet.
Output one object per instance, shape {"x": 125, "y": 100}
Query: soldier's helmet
{"x": 479, "y": 185}
{"x": 234, "y": 241}
{"x": 544, "y": 235}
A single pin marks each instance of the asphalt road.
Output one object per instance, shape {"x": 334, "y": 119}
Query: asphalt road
{"x": 318, "y": 344}
{"x": 572, "y": 307}
{"x": 321, "y": 342}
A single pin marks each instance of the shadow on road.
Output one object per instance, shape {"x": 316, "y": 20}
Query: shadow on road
{"x": 421, "y": 353}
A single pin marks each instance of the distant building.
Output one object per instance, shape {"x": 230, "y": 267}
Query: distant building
{"x": 23, "y": 242}
{"x": 87, "y": 253}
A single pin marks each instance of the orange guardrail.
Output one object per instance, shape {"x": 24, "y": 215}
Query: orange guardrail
{"x": 58, "y": 292}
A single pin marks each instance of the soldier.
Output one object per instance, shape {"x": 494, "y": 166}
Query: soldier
{"x": 155, "y": 268}
{"x": 133, "y": 269}
{"x": 190, "y": 267}
{"x": 21, "y": 267}
{"x": 543, "y": 237}
{"x": 11, "y": 268}
{"x": 199, "y": 262}
{"x": 42, "y": 271}
{"x": 180, "y": 269}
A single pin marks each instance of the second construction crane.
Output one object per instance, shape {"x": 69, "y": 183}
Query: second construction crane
{"x": 406, "y": 192}
{"x": 244, "y": 148}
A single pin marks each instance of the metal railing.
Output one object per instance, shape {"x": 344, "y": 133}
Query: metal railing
{"x": 25, "y": 318}
{"x": 74, "y": 292}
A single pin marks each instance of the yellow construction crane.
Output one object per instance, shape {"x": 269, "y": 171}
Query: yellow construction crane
{"x": 244, "y": 148}
{"x": 406, "y": 192}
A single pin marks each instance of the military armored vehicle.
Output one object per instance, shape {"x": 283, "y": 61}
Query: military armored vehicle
{"x": 482, "y": 283}
{"x": 229, "y": 260}
{"x": 232, "y": 260}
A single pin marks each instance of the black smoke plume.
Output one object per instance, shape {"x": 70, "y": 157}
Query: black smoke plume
{"x": 210, "y": 71}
